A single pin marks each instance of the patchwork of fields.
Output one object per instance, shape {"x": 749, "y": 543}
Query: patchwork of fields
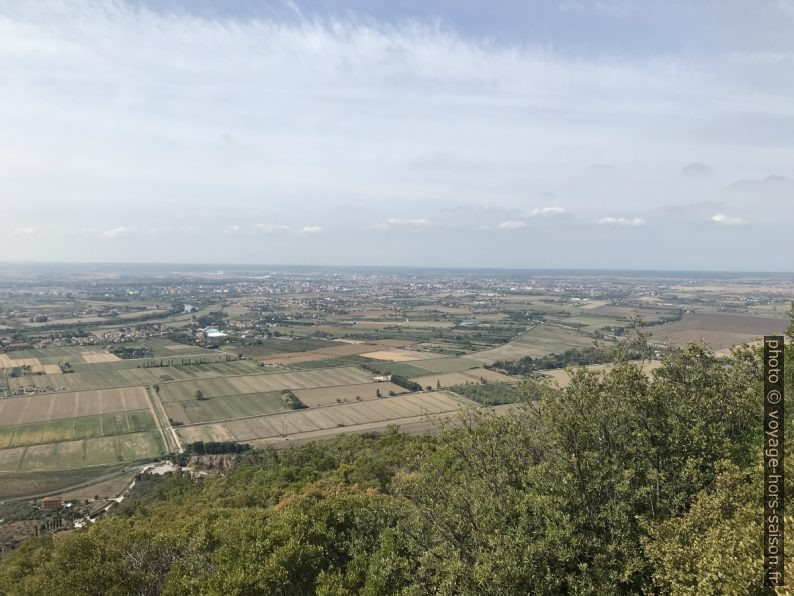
{"x": 373, "y": 414}
{"x": 65, "y": 455}
{"x": 35, "y": 408}
{"x": 110, "y": 410}
{"x": 83, "y": 427}
{"x": 224, "y": 408}
{"x": 326, "y": 377}
{"x": 474, "y": 375}
{"x": 328, "y": 396}
{"x": 719, "y": 330}
{"x": 76, "y": 429}
{"x": 538, "y": 341}
{"x": 121, "y": 374}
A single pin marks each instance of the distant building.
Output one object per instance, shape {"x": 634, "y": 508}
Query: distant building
{"x": 382, "y": 378}
{"x": 214, "y": 332}
{"x": 52, "y": 503}
{"x": 17, "y": 346}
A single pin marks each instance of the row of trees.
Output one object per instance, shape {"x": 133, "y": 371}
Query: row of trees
{"x": 574, "y": 357}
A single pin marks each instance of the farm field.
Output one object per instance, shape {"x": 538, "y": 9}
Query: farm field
{"x": 443, "y": 365}
{"x": 718, "y": 330}
{"x": 222, "y": 362}
{"x": 7, "y": 362}
{"x": 37, "y": 408}
{"x": 538, "y": 341}
{"x": 405, "y": 369}
{"x": 475, "y": 375}
{"x": 396, "y": 355}
{"x": 224, "y": 408}
{"x": 325, "y": 377}
{"x": 561, "y": 377}
{"x": 109, "y": 375}
{"x": 66, "y": 455}
{"x": 338, "y": 350}
{"x": 83, "y": 427}
{"x": 372, "y": 412}
{"x": 328, "y": 396}
{"x": 17, "y": 484}
{"x": 55, "y": 355}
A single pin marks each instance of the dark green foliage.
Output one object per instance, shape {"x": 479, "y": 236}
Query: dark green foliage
{"x": 132, "y": 351}
{"x": 403, "y": 369}
{"x": 291, "y": 400}
{"x": 213, "y": 447}
{"x": 490, "y": 394}
{"x": 406, "y": 383}
{"x": 575, "y": 357}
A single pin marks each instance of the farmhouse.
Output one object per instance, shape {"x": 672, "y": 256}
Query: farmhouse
{"x": 52, "y": 503}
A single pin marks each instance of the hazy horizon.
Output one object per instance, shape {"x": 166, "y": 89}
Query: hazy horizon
{"x": 231, "y": 267}
{"x": 564, "y": 135}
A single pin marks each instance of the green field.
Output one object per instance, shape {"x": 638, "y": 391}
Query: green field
{"x": 446, "y": 365}
{"x": 221, "y": 387}
{"x": 83, "y": 427}
{"x": 489, "y": 394}
{"x": 225, "y": 408}
{"x": 404, "y": 369}
{"x": 538, "y": 341}
{"x": 82, "y": 453}
{"x": 14, "y": 484}
{"x": 116, "y": 374}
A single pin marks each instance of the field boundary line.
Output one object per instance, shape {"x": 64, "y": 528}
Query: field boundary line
{"x": 161, "y": 419}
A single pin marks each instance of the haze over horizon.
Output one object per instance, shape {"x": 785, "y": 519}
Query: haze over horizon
{"x": 605, "y": 135}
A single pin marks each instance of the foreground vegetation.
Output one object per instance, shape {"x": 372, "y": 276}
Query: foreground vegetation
{"x": 616, "y": 484}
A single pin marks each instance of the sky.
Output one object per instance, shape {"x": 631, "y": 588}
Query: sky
{"x": 450, "y": 133}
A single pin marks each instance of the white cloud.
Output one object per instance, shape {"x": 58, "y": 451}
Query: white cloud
{"x": 312, "y": 230}
{"x": 510, "y": 224}
{"x": 414, "y": 223}
{"x": 114, "y": 233}
{"x": 397, "y": 222}
{"x": 635, "y": 222}
{"x": 271, "y": 228}
{"x": 727, "y": 220}
{"x": 519, "y": 224}
{"x": 25, "y": 231}
{"x": 548, "y": 212}
{"x": 231, "y": 229}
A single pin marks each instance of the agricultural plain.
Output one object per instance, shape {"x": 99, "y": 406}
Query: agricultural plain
{"x": 106, "y": 369}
